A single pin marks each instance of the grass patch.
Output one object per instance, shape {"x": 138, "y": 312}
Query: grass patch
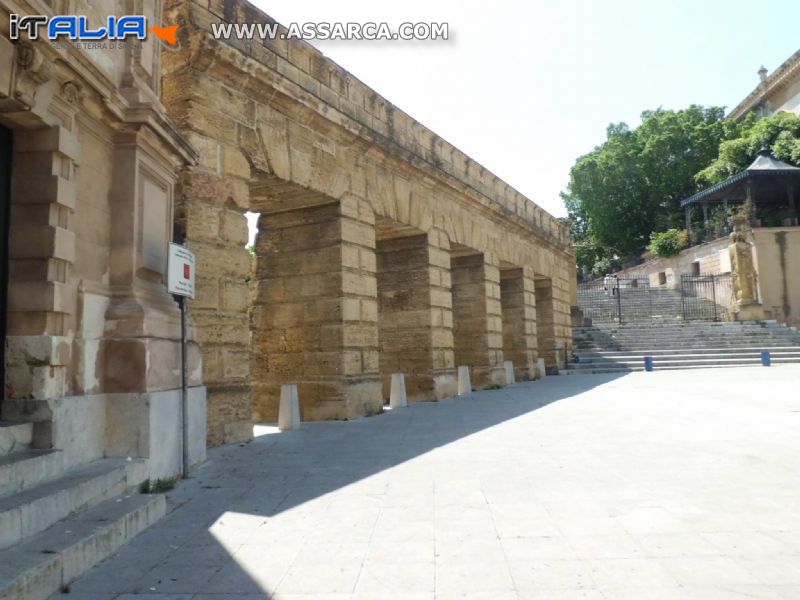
{"x": 159, "y": 486}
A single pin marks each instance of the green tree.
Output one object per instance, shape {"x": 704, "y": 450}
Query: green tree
{"x": 632, "y": 184}
{"x": 781, "y": 133}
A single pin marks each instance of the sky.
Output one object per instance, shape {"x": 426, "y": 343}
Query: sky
{"x": 525, "y": 88}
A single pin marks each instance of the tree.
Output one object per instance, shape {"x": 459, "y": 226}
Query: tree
{"x": 632, "y": 184}
{"x": 781, "y": 133}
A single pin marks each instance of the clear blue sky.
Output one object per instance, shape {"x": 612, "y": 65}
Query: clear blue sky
{"x": 527, "y": 87}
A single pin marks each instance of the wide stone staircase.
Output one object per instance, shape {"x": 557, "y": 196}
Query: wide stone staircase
{"x": 59, "y": 520}
{"x": 674, "y": 344}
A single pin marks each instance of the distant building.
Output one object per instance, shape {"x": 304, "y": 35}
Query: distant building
{"x": 776, "y": 92}
{"x": 772, "y": 186}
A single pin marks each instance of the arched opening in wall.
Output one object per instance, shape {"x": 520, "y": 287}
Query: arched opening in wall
{"x": 518, "y": 305}
{"x": 411, "y": 320}
{"x": 6, "y": 148}
{"x": 545, "y": 325}
{"x": 477, "y": 315}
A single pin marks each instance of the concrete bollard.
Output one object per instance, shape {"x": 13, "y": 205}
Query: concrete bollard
{"x": 464, "y": 383}
{"x": 289, "y": 409}
{"x": 397, "y": 394}
{"x": 648, "y": 363}
{"x": 509, "y": 368}
{"x": 766, "y": 358}
{"x": 541, "y": 371}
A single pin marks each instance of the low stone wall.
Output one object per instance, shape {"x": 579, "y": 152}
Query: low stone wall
{"x": 777, "y": 260}
{"x": 711, "y": 256}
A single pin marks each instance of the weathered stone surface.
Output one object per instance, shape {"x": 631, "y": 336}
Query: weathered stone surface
{"x": 341, "y": 299}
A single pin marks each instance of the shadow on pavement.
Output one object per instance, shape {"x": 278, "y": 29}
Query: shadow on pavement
{"x": 258, "y": 494}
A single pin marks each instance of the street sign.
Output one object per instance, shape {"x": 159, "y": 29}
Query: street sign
{"x": 180, "y": 271}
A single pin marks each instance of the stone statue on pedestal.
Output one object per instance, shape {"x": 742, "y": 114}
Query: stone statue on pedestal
{"x": 746, "y": 306}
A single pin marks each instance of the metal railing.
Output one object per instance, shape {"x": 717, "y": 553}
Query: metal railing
{"x": 632, "y": 299}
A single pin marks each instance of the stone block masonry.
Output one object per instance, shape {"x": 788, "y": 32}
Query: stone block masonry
{"x": 381, "y": 247}
{"x": 414, "y": 323}
{"x": 315, "y": 315}
{"x": 477, "y": 317}
{"x": 518, "y": 302}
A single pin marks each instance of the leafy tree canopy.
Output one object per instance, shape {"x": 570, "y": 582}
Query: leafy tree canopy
{"x": 633, "y": 183}
{"x": 781, "y": 133}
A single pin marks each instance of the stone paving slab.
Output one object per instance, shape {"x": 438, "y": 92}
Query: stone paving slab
{"x": 668, "y": 485}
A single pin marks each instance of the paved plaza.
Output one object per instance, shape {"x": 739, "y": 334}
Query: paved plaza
{"x": 645, "y": 485}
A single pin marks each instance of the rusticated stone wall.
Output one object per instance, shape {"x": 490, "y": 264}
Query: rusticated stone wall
{"x": 370, "y": 225}
{"x": 518, "y": 301}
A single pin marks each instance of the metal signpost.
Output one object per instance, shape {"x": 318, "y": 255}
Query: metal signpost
{"x": 180, "y": 283}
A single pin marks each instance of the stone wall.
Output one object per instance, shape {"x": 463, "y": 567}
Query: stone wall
{"x": 711, "y": 257}
{"x": 338, "y": 173}
{"x": 95, "y": 163}
{"x": 777, "y": 261}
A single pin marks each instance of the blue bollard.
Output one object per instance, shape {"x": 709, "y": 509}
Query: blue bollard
{"x": 766, "y": 358}
{"x": 648, "y": 363}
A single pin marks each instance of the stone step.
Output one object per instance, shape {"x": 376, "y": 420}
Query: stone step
{"x": 25, "y": 469}
{"x": 649, "y": 345}
{"x": 683, "y": 329}
{"x": 677, "y": 345}
{"x": 688, "y": 329}
{"x": 603, "y": 352}
{"x": 26, "y": 513}
{"x": 684, "y": 326}
{"x": 15, "y": 437}
{"x": 677, "y": 321}
{"x": 694, "y": 339}
{"x": 673, "y": 361}
{"x": 667, "y": 344}
{"x": 623, "y": 369}
{"x": 48, "y": 562}
{"x": 732, "y": 336}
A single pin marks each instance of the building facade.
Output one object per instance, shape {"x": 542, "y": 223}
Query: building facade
{"x": 91, "y": 352}
{"x": 381, "y": 247}
{"x": 776, "y": 92}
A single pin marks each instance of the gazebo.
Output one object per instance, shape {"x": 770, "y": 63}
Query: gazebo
{"x": 767, "y": 182}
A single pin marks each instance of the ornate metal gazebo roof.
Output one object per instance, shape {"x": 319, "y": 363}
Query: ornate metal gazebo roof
{"x": 766, "y": 181}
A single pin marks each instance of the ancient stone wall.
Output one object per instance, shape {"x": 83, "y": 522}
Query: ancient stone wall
{"x": 349, "y": 188}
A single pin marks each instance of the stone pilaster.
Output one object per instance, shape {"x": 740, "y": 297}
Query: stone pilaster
{"x": 518, "y": 302}
{"x": 477, "y": 317}
{"x": 545, "y": 322}
{"x": 415, "y": 336}
{"x": 211, "y": 210}
{"x": 41, "y": 298}
{"x": 442, "y": 343}
{"x": 315, "y": 312}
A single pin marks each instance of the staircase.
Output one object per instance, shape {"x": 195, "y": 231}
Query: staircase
{"x": 57, "y": 522}
{"x": 610, "y": 347}
{"x": 643, "y": 304}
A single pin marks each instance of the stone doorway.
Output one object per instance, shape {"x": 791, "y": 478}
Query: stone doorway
{"x": 6, "y": 143}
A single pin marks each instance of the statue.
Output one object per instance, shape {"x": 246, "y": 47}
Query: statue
{"x": 746, "y": 306}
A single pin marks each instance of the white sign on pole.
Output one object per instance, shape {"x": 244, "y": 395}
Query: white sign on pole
{"x": 180, "y": 271}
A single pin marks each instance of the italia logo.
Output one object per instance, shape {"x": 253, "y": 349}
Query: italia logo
{"x": 77, "y": 28}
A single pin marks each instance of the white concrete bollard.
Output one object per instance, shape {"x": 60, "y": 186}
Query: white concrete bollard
{"x": 464, "y": 383}
{"x": 509, "y": 367}
{"x": 397, "y": 393}
{"x": 289, "y": 409}
{"x": 540, "y": 369}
